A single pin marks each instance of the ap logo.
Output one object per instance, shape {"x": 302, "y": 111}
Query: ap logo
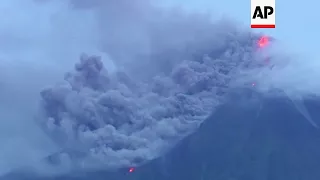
{"x": 263, "y": 14}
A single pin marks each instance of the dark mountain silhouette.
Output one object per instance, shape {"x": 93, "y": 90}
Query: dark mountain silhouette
{"x": 269, "y": 141}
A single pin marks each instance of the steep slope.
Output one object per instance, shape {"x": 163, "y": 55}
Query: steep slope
{"x": 236, "y": 144}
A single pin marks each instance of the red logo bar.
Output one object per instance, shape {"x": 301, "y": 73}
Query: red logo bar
{"x": 263, "y": 26}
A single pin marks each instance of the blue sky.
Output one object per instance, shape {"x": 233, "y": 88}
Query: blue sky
{"x": 300, "y": 32}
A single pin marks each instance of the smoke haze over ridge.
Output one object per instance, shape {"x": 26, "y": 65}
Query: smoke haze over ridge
{"x": 164, "y": 72}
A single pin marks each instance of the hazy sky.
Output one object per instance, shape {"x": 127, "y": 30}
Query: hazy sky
{"x": 34, "y": 54}
{"x": 296, "y": 30}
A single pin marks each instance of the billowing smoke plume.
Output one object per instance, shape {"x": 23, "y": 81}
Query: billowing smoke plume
{"x": 170, "y": 80}
{"x": 169, "y": 72}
